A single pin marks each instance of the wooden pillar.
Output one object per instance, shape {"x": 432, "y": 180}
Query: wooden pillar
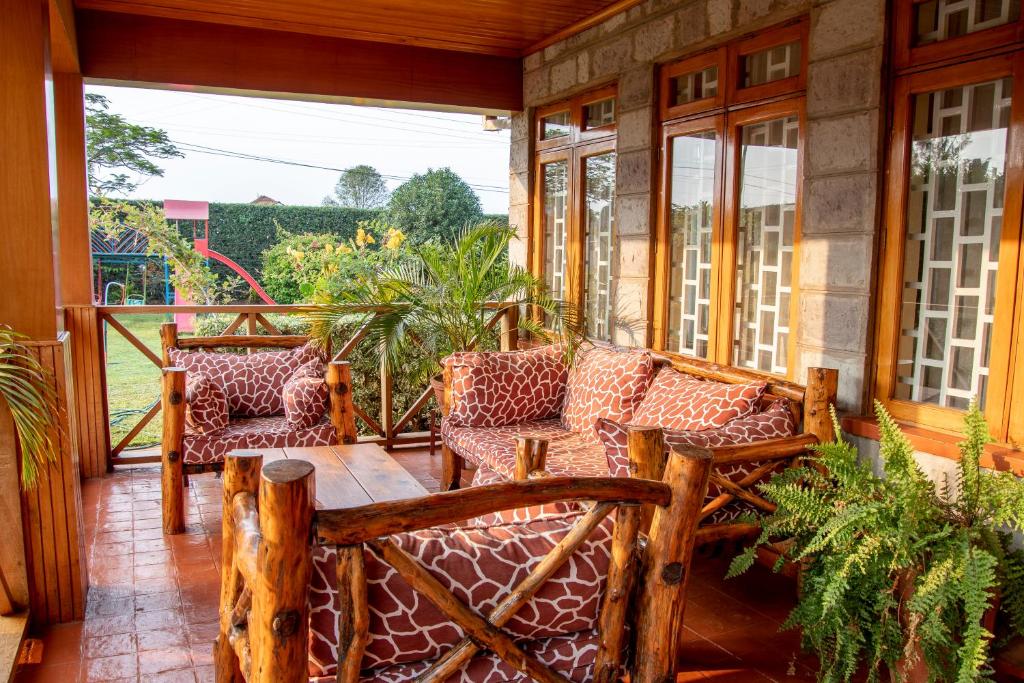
{"x": 278, "y": 622}
{"x": 666, "y": 568}
{"x": 531, "y": 454}
{"x": 387, "y": 404}
{"x": 509, "y": 322}
{"x": 822, "y": 386}
{"x": 168, "y": 340}
{"x": 73, "y": 213}
{"x": 172, "y": 487}
{"x": 622, "y": 571}
{"x": 339, "y": 386}
{"x": 241, "y": 475}
{"x": 646, "y": 461}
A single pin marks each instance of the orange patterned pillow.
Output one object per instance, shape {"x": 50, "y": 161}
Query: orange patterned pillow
{"x": 206, "y": 405}
{"x": 608, "y": 383}
{"x": 679, "y": 401}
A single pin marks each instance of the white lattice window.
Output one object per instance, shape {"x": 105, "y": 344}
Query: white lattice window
{"x": 772, "y": 64}
{"x": 937, "y": 20}
{"x": 765, "y": 239}
{"x": 690, "y": 219}
{"x": 599, "y": 216}
{"x": 954, "y": 224}
{"x": 556, "y": 186}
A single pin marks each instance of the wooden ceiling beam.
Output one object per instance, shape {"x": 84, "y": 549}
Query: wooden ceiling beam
{"x": 63, "y": 41}
{"x": 173, "y": 53}
{"x": 583, "y": 24}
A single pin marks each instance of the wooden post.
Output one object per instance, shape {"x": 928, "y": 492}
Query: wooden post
{"x": 646, "y": 461}
{"x": 622, "y": 572}
{"x": 451, "y": 462}
{"x": 168, "y": 340}
{"x": 278, "y": 622}
{"x": 241, "y": 474}
{"x": 531, "y": 454}
{"x": 509, "y": 322}
{"x": 822, "y": 386}
{"x": 387, "y": 404}
{"x": 353, "y": 615}
{"x": 666, "y": 567}
{"x": 343, "y": 416}
{"x": 171, "y": 450}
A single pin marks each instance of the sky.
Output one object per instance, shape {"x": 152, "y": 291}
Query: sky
{"x": 214, "y": 130}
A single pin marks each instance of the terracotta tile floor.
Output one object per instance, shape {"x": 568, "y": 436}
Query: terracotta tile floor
{"x": 152, "y": 607}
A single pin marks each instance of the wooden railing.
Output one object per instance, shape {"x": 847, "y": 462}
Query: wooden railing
{"x": 391, "y": 430}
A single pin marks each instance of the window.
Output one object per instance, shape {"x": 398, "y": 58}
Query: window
{"x": 574, "y": 205}
{"x": 950, "y": 286}
{"x": 728, "y": 227}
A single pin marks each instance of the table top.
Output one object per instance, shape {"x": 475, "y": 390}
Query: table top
{"x": 353, "y": 475}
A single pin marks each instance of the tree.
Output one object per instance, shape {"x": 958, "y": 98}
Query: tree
{"x": 359, "y": 187}
{"x": 437, "y": 204}
{"x": 113, "y": 144}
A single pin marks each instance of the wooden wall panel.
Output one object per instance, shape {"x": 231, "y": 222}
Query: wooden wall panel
{"x": 12, "y": 549}
{"x": 52, "y": 511}
{"x": 89, "y": 406}
{"x": 75, "y": 249}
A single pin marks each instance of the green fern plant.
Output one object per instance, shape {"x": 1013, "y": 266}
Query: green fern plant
{"x": 32, "y": 402}
{"x": 897, "y": 568}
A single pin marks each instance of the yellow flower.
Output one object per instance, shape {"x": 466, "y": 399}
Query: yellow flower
{"x": 361, "y": 238}
{"x": 329, "y": 248}
{"x": 298, "y": 254}
{"x": 344, "y": 249}
{"x": 394, "y": 239}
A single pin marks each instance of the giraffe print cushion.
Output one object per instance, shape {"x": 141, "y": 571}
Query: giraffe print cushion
{"x": 206, "y": 406}
{"x": 480, "y": 566}
{"x": 484, "y": 475}
{"x": 305, "y": 395}
{"x": 253, "y": 382}
{"x": 253, "y": 432}
{"x": 606, "y": 383}
{"x": 569, "y": 453}
{"x": 572, "y": 655}
{"x": 679, "y": 401}
{"x": 492, "y": 389}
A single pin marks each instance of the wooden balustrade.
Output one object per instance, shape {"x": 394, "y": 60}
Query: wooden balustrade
{"x": 391, "y": 430}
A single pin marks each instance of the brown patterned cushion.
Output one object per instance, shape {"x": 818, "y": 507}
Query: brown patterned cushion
{"x": 254, "y": 432}
{"x": 607, "y": 383}
{"x": 253, "y": 382}
{"x": 491, "y": 389}
{"x": 305, "y": 395}
{"x": 480, "y": 566}
{"x": 206, "y": 406}
{"x": 679, "y": 401}
{"x": 484, "y": 475}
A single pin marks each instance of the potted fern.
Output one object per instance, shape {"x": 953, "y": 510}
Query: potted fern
{"x": 898, "y": 572}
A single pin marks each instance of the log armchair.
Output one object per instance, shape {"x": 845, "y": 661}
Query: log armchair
{"x": 278, "y": 549}
{"x": 254, "y": 414}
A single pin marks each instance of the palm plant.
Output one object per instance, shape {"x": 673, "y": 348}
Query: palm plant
{"x": 32, "y": 401}
{"x": 446, "y": 298}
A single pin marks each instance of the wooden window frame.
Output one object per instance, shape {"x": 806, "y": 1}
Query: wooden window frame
{"x": 540, "y": 142}
{"x": 906, "y": 56}
{"x": 584, "y": 134}
{"x": 1005, "y": 392}
{"x": 790, "y": 33}
{"x": 694, "y": 64}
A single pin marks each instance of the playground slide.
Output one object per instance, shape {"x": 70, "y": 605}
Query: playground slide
{"x": 203, "y": 247}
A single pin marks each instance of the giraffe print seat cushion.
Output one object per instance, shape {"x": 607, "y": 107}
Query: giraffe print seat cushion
{"x": 206, "y": 405}
{"x": 492, "y": 389}
{"x": 775, "y": 422}
{"x": 305, "y": 395}
{"x": 569, "y": 454}
{"x": 254, "y": 382}
{"x": 484, "y": 475}
{"x": 480, "y": 565}
{"x": 253, "y": 432}
{"x": 573, "y": 656}
{"x": 680, "y": 401}
{"x": 604, "y": 382}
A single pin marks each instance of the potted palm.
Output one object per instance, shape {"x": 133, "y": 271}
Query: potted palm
{"x": 899, "y": 573}
{"x": 444, "y": 298}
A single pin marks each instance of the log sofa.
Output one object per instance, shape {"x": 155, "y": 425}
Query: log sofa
{"x": 417, "y": 592}
{"x": 511, "y": 413}
{"x": 213, "y": 403}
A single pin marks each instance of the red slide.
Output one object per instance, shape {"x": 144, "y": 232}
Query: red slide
{"x": 203, "y": 247}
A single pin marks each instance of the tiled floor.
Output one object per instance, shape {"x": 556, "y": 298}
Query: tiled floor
{"x": 152, "y": 607}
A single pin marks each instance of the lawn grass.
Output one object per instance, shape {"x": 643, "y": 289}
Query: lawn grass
{"x": 133, "y": 382}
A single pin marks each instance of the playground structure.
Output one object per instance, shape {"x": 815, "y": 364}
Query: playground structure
{"x": 128, "y": 249}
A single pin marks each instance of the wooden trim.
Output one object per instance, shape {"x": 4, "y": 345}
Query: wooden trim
{"x": 906, "y": 56}
{"x": 667, "y": 73}
{"x": 582, "y": 25}
{"x": 774, "y": 37}
{"x": 585, "y": 134}
{"x": 575, "y": 107}
{"x": 288, "y": 341}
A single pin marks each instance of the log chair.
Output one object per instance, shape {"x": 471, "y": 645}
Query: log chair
{"x": 267, "y": 546}
{"x": 174, "y": 471}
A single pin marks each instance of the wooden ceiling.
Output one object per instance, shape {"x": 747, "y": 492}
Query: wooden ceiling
{"x": 509, "y": 28}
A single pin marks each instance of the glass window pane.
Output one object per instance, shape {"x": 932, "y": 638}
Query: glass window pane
{"x": 936, "y": 20}
{"x": 773, "y": 64}
{"x": 555, "y": 125}
{"x": 600, "y": 113}
{"x": 556, "y": 181}
{"x": 691, "y": 204}
{"x": 764, "y": 247}
{"x": 954, "y": 220}
{"x": 694, "y": 86}
{"x": 599, "y": 223}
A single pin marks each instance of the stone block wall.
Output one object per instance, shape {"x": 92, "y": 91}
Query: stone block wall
{"x": 842, "y": 156}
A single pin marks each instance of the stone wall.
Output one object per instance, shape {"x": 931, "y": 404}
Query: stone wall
{"x": 841, "y": 163}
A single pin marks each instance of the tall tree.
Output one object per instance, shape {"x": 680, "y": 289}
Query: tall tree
{"x": 113, "y": 145}
{"x": 436, "y": 204}
{"x": 359, "y": 187}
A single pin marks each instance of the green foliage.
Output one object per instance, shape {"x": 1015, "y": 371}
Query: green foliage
{"x": 359, "y": 187}
{"x": 893, "y": 567}
{"x": 113, "y": 144}
{"x": 436, "y": 205}
{"x": 26, "y": 389}
{"x": 189, "y": 270}
{"x": 436, "y": 302}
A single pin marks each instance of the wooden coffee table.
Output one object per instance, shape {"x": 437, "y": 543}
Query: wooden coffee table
{"x": 350, "y": 476}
